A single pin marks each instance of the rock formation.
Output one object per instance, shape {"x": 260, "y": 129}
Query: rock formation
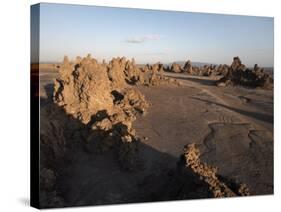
{"x": 221, "y": 70}
{"x": 176, "y": 68}
{"x": 103, "y": 98}
{"x": 188, "y": 67}
{"x": 238, "y": 74}
{"x": 153, "y": 75}
{"x": 87, "y": 88}
{"x": 206, "y": 70}
{"x": 235, "y": 74}
{"x": 84, "y": 88}
{"x": 115, "y": 71}
{"x": 208, "y": 174}
{"x": 157, "y": 67}
{"x": 191, "y": 179}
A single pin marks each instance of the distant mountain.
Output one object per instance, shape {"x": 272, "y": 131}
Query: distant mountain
{"x": 198, "y": 64}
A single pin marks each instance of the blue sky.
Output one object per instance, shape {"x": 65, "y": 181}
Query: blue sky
{"x": 151, "y": 36}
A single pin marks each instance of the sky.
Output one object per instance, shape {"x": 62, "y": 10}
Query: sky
{"x": 150, "y": 36}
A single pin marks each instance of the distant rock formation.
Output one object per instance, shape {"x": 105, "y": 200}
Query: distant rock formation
{"x": 153, "y": 75}
{"x": 235, "y": 74}
{"x": 206, "y": 70}
{"x": 176, "y": 68}
{"x": 238, "y": 74}
{"x": 221, "y": 70}
{"x": 157, "y": 67}
{"x": 188, "y": 67}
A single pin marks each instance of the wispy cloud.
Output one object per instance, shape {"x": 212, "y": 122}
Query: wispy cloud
{"x": 142, "y": 39}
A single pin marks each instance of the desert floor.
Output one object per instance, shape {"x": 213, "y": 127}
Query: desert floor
{"x": 233, "y": 127}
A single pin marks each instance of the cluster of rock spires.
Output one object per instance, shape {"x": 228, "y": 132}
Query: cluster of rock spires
{"x": 206, "y": 70}
{"x": 86, "y": 89}
{"x": 238, "y": 74}
{"x": 235, "y": 74}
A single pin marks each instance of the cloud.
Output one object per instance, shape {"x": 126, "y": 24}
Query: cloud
{"x": 144, "y": 38}
{"x": 135, "y": 40}
{"x": 152, "y": 37}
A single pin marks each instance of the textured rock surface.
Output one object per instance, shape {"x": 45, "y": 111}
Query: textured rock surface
{"x": 86, "y": 87}
{"x": 83, "y": 89}
{"x": 209, "y": 175}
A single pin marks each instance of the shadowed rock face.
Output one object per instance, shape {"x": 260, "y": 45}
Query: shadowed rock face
{"x": 52, "y": 150}
{"x": 238, "y": 74}
{"x": 188, "y": 67}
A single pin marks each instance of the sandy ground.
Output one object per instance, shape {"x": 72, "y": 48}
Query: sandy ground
{"x": 233, "y": 128}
